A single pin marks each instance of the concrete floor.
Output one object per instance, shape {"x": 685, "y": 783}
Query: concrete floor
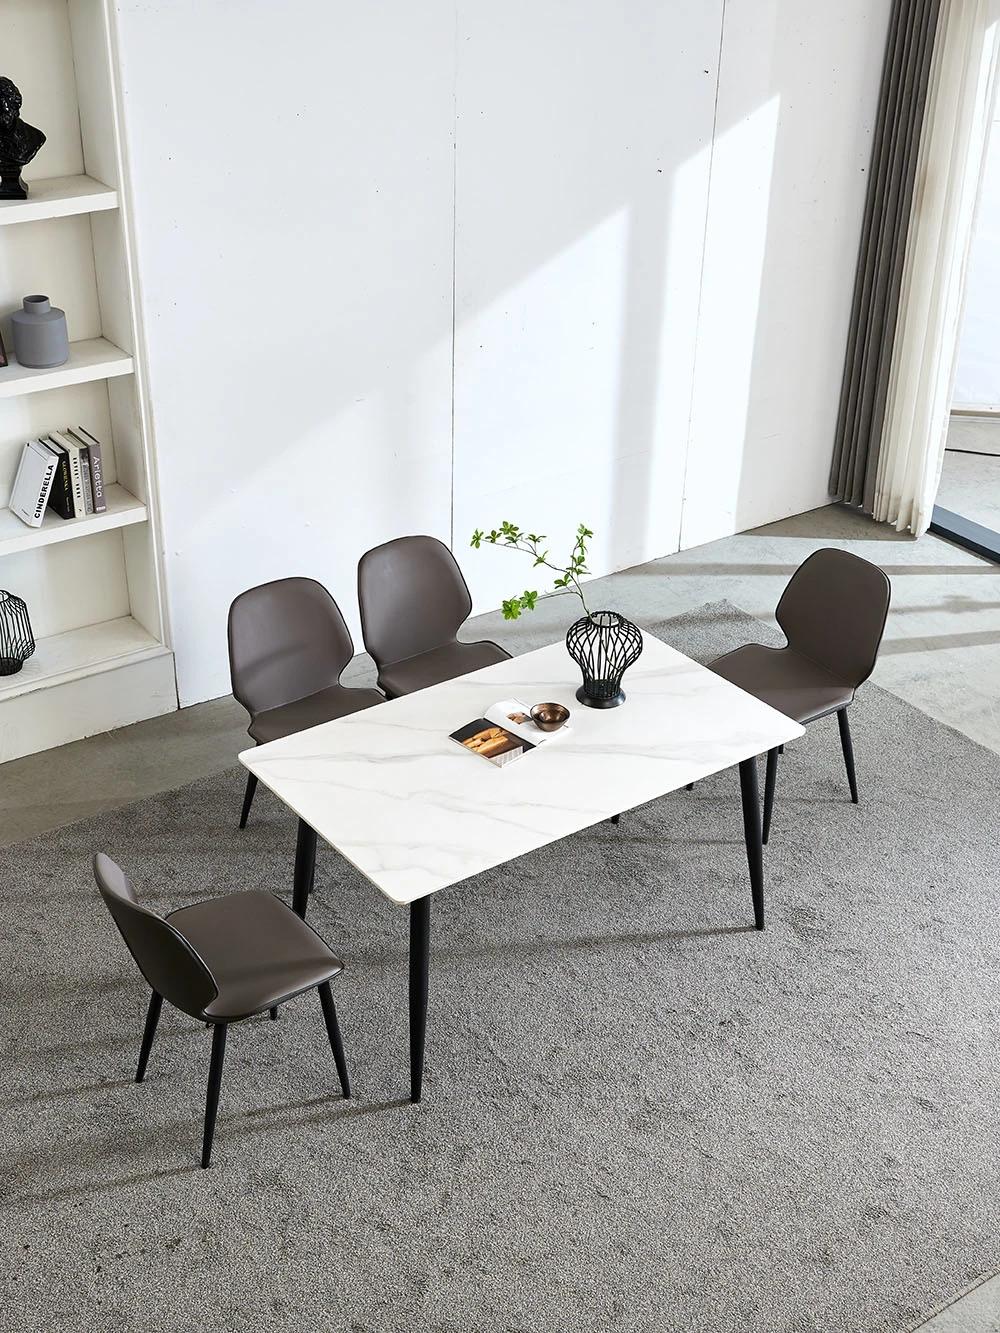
{"x": 941, "y": 653}
{"x": 981, "y": 433}
{"x": 970, "y": 486}
{"x": 970, "y": 477}
{"x": 975, "y": 1311}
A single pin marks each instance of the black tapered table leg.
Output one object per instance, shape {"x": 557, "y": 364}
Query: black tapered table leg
{"x": 689, "y": 787}
{"x": 212, "y": 1095}
{"x": 333, "y": 1032}
{"x": 248, "y": 796}
{"x": 305, "y": 867}
{"x": 420, "y": 941}
{"x": 845, "y": 741}
{"x": 752, "y": 834}
{"x": 615, "y": 819}
{"x": 274, "y": 1014}
{"x": 148, "y": 1033}
{"x": 770, "y": 778}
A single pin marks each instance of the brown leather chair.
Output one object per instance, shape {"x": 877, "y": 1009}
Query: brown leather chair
{"x": 413, "y": 602}
{"x": 221, "y": 961}
{"x": 288, "y": 645}
{"x": 833, "y": 615}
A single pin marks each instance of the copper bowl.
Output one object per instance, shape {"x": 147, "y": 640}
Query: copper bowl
{"x": 549, "y": 717}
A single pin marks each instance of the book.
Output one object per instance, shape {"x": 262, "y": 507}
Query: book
{"x": 61, "y": 495}
{"x": 33, "y": 482}
{"x": 505, "y": 734}
{"x": 88, "y": 485}
{"x": 73, "y": 448}
{"x": 95, "y": 454}
{"x": 494, "y": 743}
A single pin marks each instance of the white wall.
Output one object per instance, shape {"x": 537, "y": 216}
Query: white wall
{"x": 582, "y": 193}
{"x": 647, "y": 252}
{"x": 977, "y": 376}
{"x": 797, "y": 97}
{"x": 292, "y": 167}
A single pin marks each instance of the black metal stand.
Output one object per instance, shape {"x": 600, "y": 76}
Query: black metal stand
{"x": 615, "y": 701}
{"x": 848, "y": 748}
{"x": 214, "y": 1084}
{"x": 305, "y": 867}
{"x": 420, "y": 940}
{"x": 752, "y": 834}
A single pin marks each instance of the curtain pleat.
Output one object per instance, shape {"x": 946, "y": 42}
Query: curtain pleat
{"x": 949, "y": 176}
{"x": 874, "y": 313}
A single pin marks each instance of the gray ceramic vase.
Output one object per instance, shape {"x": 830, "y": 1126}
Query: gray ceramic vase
{"x": 41, "y": 340}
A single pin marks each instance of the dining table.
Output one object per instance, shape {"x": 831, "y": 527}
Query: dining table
{"x": 417, "y": 813}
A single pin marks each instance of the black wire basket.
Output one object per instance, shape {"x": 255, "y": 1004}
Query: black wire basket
{"x": 604, "y": 645}
{"x": 16, "y": 640}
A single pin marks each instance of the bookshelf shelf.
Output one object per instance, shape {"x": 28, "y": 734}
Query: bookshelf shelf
{"x": 59, "y": 197}
{"x": 91, "y": 359}
{"x": 123, "y": 509}
{"x": 63, "y": 658}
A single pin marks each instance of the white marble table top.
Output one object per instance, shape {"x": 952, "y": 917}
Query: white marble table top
{"x": 415, "y": 812}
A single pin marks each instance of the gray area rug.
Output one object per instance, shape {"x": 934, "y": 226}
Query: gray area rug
{"x": 639, "y": 1114}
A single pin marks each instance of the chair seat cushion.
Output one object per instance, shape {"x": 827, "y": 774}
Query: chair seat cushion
{"x": 444, "y": 663}
{"x": 258, "y": 950}
{"x": 324, "y": 706}
{"x": 783, "y": 678}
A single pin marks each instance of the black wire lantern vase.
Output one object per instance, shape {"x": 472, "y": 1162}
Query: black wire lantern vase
{"x": 16, "y": 640}
{"x": 604, "y": 645}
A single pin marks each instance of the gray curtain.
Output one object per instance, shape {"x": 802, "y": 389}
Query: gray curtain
{"x": 905, "y": 76}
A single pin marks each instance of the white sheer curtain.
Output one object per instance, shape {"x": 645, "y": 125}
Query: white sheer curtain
{"x": 949, "y": 174}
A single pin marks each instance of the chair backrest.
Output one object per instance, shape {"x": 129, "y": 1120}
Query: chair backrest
{"x": 162, "y": 954}
{"x": 412, "y": 596}
{"x": 834, "y": 610}
{"x": 287, "y": 639}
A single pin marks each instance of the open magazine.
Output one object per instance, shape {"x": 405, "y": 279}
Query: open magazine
{"x": 504, "y": 734}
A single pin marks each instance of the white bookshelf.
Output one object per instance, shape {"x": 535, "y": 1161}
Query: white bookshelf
{"x": 93, "y": 585}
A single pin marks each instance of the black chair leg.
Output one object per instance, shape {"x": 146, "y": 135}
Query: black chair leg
{"x": 750, "y": 798}
{"x": 615, "y": 819}
{"x": 770, "y": 778}
{"x": 212, "y": 1095}
{"x": 333, "y": 1032}
{"x": 689, "y": 787}
{"x": 149, "y": 1032}
{"x": 274, "y": 1014}
{"x": 248, "y": 796}
{"x": 845, "y": 741}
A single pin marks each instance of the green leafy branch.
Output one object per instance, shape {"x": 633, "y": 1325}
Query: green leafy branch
{"x": 510, "y": 537}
